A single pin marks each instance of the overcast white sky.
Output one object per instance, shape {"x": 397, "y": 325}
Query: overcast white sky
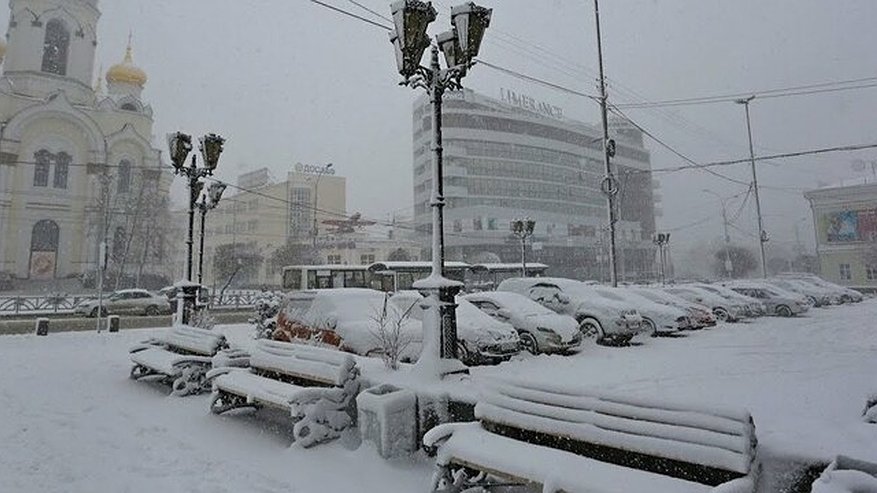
{"x": 289, "y": 81}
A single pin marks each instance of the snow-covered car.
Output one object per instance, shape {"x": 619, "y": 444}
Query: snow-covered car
{"x": 126, "y": 302}
{"x": 541, "y": 330}
{"x": 846, "y": 294}
{"x": 753, "y": 307}
{"x": 658, "y": 319}
{"x": 818, "y": 295}
{"x": 480, "y": 338}
{"x": 607, "y": 321}
{"x": 356, "y": 320}
{"x": 700, "y": 315}
{"x": 778, "y": 302}
{"x": 723, "y": 309}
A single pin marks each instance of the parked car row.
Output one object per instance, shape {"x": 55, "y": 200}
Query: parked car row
{"x": 537, "y": 314}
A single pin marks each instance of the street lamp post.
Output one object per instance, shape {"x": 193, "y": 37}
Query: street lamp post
{"x": 180, "y": 146}
{"x": 729, "y": 266}
{"x": 208, "y": 201}
{"x": 662, "y": 240}
{"x": 762, "y": 234}
{"x": 320, "y": 174}
{"x": 523, "y": 229}
{"x": 460, "y": 46}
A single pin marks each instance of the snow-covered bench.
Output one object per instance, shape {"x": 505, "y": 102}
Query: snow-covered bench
{"x": 847, "y": 475}
{"x": 317, "y": 386}
{"x": 561, "y": 440}
{"x": 181, "y": 355}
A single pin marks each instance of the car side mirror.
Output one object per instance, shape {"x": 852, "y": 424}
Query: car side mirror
{"x": 563, "y": 299}
{"x": 331, "y": 322}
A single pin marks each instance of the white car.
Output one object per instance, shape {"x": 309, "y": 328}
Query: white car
{"x": 126, "y": 302}
{"x": 658, "y": 319}
{"x": 846, "y": 294}
{"x": 752, "y": 307}
{"x": 360, "y": 321}
{"x": 480, "y": 338}
{"x": 608, "y": 321}
{"x": 780, "y": 303}
{"x": 700, "y": 315}
{"x": 818, "y": 296}
{"x": 541, "y": 330}
{"x": 723, "y": 309}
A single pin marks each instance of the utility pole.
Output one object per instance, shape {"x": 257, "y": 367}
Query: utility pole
{"x": 610, "y": 184}
{"x": 762, "y": 234}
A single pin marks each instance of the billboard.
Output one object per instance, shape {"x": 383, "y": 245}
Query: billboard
{"x": 850, "y": 226}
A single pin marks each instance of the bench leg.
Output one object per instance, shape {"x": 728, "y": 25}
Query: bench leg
{"x": 191, "y": 381}
{"x": 221, "y": 402}
{"x": 455, "y": 479}
{"x": 140, "y": 371}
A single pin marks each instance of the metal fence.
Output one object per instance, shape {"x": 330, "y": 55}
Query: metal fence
{"x": 65, "y": 304}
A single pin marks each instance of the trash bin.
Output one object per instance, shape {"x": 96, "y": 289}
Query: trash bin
{"x": 42, "y": 326}
{"x": 387, "y": 418}
{"x": 113, "y": 323}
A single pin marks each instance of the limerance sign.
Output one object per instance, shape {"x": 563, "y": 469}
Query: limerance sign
{"x": 529, "y": 103}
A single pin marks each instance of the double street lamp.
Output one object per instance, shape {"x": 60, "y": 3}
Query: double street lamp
{"x": 180, "y": 146}
{"x": 460, "y": 45}
{"x": 523, "y": 229}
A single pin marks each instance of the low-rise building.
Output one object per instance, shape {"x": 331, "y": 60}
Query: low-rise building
{"x": 845, "y": 219}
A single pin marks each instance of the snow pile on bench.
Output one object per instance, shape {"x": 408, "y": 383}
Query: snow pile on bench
{"x": 566, "y": 440}
{"x": 846, "y": 475}
{"x": 316, "y": 386}
{"x": 181, "y": 356}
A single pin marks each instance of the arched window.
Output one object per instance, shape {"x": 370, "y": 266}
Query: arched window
{"x": 124, "y": 176}
{"x": 118, "y": 242}
{"x": 44, "y": 237}
{"x": 62, "y": 169}
{"x": 43, "y": 161}
{"x": 129, "y": 107}
{"x": 55, "y": 47}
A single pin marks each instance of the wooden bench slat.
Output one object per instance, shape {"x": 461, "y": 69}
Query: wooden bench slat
{"x": 644, "y": 410}
{"x": 612, "y": 423}
{"x": 657, "y": 447}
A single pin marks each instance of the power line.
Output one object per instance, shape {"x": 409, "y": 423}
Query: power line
{"x": 852, "y": 84}
{"x": 370, "y": 11}
{"x": 351, "y": 14}
{"x": 537, "y": 80}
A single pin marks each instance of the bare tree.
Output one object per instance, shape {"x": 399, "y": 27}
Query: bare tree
{"x": 389, "y": 332}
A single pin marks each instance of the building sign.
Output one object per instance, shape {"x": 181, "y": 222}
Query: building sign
{"x": 528, "y": 103}
{"x": 850, "y": 226}
{"x": 310, "y": 169}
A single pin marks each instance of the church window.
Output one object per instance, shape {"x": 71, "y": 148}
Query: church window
{"x": 124, "y": 176}
{"x": 44, "y": 236}
{"x": 56, "y": 47}
{"x": 42, "y": 164}
{"x": 62, "y": 169}
{"x": 129, "y": 107}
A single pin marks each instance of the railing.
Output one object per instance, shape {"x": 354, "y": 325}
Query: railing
{"x": 65, "y": 304}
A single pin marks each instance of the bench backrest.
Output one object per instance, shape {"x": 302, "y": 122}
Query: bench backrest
{"x": 708, "y": 446}
{"x": 193, "y": 340}
{"x": 301, "y": 362}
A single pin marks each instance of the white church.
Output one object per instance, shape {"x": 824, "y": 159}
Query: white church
{"x": 77, "y": 164}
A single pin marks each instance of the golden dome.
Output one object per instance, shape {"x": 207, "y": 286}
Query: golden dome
{"x": 126, "y": 72}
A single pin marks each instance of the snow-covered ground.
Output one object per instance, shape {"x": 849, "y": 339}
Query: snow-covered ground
{"x": 72, "y": 421}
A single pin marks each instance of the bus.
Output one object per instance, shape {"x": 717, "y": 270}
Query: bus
{"x": 299, "y": 277}
{"x": 399, "y": 276}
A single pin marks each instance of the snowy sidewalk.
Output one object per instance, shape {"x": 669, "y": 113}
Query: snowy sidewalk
{"x": 72, "y": 421}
